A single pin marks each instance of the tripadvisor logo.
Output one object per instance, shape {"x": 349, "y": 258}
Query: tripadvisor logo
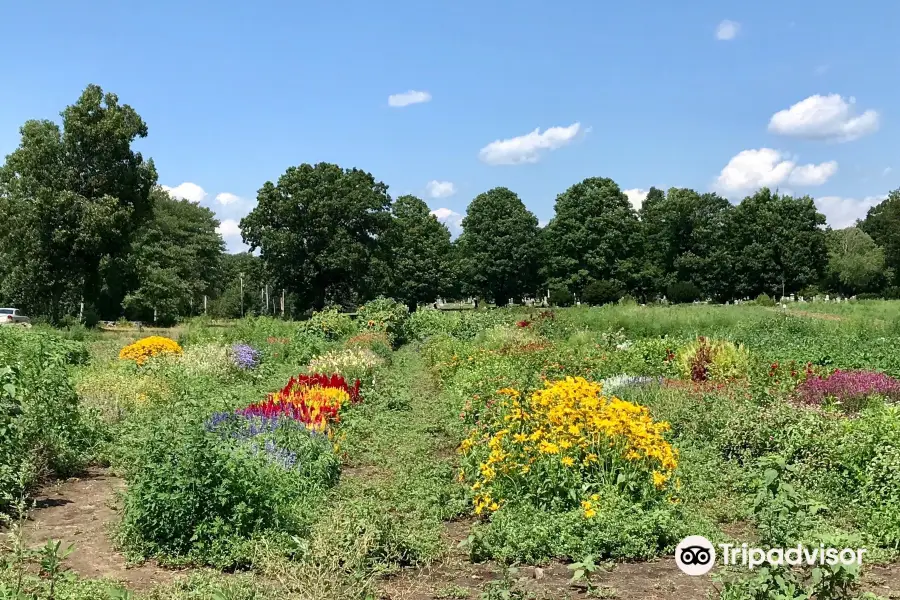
{"x": 695, "y": 555}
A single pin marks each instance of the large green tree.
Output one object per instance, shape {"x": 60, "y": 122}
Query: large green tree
{"x": 592, "y": 237}
{"x": 776, "y": 243}
{"x": 882, "y": 223}
{"x": 319, "y": 232}
{"x": 176, "y": 259}
{"x": 855, "y": 261}
{"x": 71, "y": 199}
{"x": 420, "y": 253}
{"x": 684, "y": 240}
{"x": 499, "y": 251}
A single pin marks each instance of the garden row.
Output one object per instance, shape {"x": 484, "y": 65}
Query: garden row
{"x": 587, "y": 441}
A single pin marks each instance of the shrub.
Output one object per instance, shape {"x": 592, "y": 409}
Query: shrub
{"x": 462, "y": 325}
{"x": 764, "y": 300}
{"x": 868, "y": 296}
{"x": 717, "y": 360}
{"x": 810, "y": 291}
{"x": 203, "y": 494}
{"x": 142, "y": 350}
{"x": 43, "y": 429}
{"x": 386, "y": 315}
{"x": 560, "y": 296}
{"x": 597, "y": 293}
{"x": 682, "y": 292}
{"x": 330, "y": 324}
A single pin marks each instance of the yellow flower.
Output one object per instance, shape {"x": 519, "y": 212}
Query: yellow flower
{"x": 659, "y": 479}
{"x": 568, "y": 461}
{"x": 141, "y": 350}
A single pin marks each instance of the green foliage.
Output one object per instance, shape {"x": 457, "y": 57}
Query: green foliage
{"x": 775, "y": 242}
{"x": 682, "y": 292}
{"x": 385, "y": 315}
{"x": 717, "y": 360}
{"x": 560, "y": 296}
{"x": 499, "y": 249}
{"x": 592, "y": 237}
{"x": 318, "y": 229}
{"x": 175, "y": 259}
{"x": 420, "y": 253}
{"x": 526, "y": 534}
{"x": 72, "y": 199}
{"x": 881, "y": 223}
{"x": 43, "y": 430}
{"x": 463, "y": 325}
{"x": 198, "y": 497}
{"x": 764, "y": 300}
{"x": 685, "y": 241}
{"x": 855, "y": 263}
{"x": 597, "y": 293}
{"x": 330, "y": 323}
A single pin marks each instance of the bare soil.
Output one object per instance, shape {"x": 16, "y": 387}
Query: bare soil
{"x": 82, "y": 511}
{"x": 456, "y": 577}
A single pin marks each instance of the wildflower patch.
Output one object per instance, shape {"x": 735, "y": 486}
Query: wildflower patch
{"x": 563, "y": 447}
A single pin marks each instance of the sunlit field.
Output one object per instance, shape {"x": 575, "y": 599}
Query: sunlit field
{"x": 503, "y": 453}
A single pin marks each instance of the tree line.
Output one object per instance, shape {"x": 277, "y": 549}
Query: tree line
{"x": 87, "y": 230}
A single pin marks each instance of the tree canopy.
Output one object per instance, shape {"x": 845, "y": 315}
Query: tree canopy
{"x": 592, "y": 237}
{"x": 319, "y": 230}
{"x": 499, "y": 248}
{"x": 72, "y": 197}
{"x": 85, "y": 222}
{"x": 420, "y": 253}
{"x": 176, "y": 259}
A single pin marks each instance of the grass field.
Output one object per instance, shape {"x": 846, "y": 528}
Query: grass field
{"x": 488, "y": 454}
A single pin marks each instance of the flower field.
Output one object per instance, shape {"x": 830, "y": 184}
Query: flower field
{"x": 422, "y": 455}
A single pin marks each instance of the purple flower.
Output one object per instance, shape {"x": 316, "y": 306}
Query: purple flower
{"x": 849, "y": 388}
{"x": 248, "y": 429}
{"x": 244, "y": 356}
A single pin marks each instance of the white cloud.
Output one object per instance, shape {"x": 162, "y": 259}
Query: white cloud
{"x": 528, "y": 148}
{"x": 440, "y": 189}
{"x": 765, "y": 167}
{"x": 230, "y": 231}
{"x": 229, "y": 228}
{"x": 187, "y": 191}
{"x": 727, "y": 30}
{"x": 813, "y": 174}
{"x": 453, "y": 220}
{"x": 227, "y": 198}
{"x": 407, "y": 98}
{"x": 886, "y": 171}
{"x": 636, "y": 196}
{"x": 843, "y": 212}
{"x": 824, "y": 118}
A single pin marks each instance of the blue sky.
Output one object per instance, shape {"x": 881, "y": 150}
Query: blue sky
{"x": 712, "y": 95}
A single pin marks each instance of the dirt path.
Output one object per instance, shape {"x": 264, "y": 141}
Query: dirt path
{"x": 82, "y": 512}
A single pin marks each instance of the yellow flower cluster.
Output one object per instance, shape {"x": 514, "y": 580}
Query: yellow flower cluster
{"x": 141, "y": 350}
{"x": 563, "y": 437}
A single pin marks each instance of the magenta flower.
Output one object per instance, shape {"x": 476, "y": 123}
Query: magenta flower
{"x": 849, "y": 388}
